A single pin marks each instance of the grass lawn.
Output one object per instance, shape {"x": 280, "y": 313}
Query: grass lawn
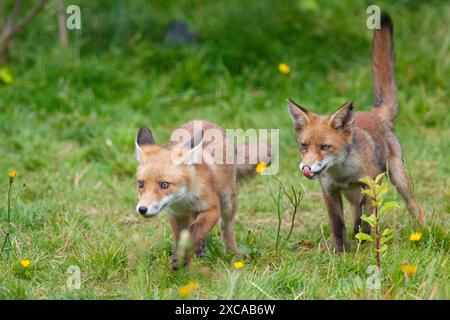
{"x": 69, "y": 119}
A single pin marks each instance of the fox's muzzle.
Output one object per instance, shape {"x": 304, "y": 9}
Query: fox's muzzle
{"x": 148, "y": 211}
{"x": 314, "y": 170}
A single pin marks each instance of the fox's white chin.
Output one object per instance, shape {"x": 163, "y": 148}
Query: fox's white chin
{"x": 314, "y": 177}
{"x": 150, "y": 214}
{"x": 147, "y": 215}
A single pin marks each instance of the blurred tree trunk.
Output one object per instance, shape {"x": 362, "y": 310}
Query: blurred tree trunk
{"x": 63, "y": 35}
{"x": 12, "y": 28}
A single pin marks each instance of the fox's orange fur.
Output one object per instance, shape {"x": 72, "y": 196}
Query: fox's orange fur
{"x": 196, "y": 195}
{"x": 346, "y": 146}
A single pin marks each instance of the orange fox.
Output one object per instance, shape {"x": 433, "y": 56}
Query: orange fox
{"x": 198, "y": 191}
{"x": 346, "y": 146}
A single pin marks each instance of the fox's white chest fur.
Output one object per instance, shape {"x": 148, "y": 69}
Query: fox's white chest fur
{"x": 187, "y": 203}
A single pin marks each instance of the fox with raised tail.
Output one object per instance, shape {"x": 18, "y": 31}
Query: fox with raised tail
{"x": 191, "y": 176}
{"x": 346, "y": 146}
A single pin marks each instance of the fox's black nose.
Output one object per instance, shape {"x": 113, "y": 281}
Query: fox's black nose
{"x": 142, "y": 210}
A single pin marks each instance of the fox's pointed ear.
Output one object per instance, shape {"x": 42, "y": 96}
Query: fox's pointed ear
{"x": 194, "y": 148}
{"x": 343, "y": 118}
{"x": 144, "y": 137}
{"x": 298, "y": 114}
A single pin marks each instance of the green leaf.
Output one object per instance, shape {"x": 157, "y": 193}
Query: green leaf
{"x": 361, "y": 236}
{"x": 388, "y": 206}
{"x": 368, "y": 192}
{"x": 379, "y": 177}
{"x": 5, "y": 76}
{"x": 387, "y": 232}
{"x": 387, "y": 235}
{"x": 383, "y": 248}
{"x": 309, "y": 5}
{"x": 369, "y": 219}
{"x": 385, "y": 239}
{"x": 368, "y": 181}
{"x": 380, "y": 189}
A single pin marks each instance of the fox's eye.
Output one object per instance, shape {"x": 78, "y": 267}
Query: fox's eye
{"x": 304, "y": 146}
{"x": 164, "y": 185}
{"x": 140, "y": 184}
{"x": 325, "y": 147}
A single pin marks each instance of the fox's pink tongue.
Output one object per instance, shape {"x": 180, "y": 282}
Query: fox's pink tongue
{"x": 307, "y": 173}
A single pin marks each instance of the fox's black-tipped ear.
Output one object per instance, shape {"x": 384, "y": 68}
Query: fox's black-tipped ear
{"x": 343, "y": 118}
{"x": 144, "y": 136}
{"x": 298, "y": 114}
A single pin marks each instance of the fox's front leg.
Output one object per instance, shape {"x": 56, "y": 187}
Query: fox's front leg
{"x": 178, "y": 224}
{"x": 360, "y": 204}
{"x": 333, "y": 201}
{"x": 201, "y": 226}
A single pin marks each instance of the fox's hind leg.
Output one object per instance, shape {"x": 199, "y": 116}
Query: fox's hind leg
{"x": 228, "y": 206}
{"x": 399, "y": 177}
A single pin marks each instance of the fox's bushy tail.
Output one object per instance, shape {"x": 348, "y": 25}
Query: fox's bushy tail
{"x": 260, "y": 150}
{"x": 385, "y": 88}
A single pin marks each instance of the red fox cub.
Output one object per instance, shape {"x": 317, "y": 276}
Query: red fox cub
{"x": 191, "y": 179}
{"x": 346, "y": 146}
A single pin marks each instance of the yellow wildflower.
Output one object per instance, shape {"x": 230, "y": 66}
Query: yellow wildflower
{"x": 25, "y": 263}
{"x": 416, "y": 236}
{"x": 261, "y": 167}
{"x": 187, "y": 289}
{"x": 409, "y": 270}
{"x": 12, "y": 174}
{"x": 284, "y": 68}
{"x": 238, "y": 264}
{"x": 6, "y": 76}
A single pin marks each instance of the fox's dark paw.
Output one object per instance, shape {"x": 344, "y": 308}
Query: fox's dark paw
{"x": 200, "y": 250}
{"x": 175, "y": 263}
